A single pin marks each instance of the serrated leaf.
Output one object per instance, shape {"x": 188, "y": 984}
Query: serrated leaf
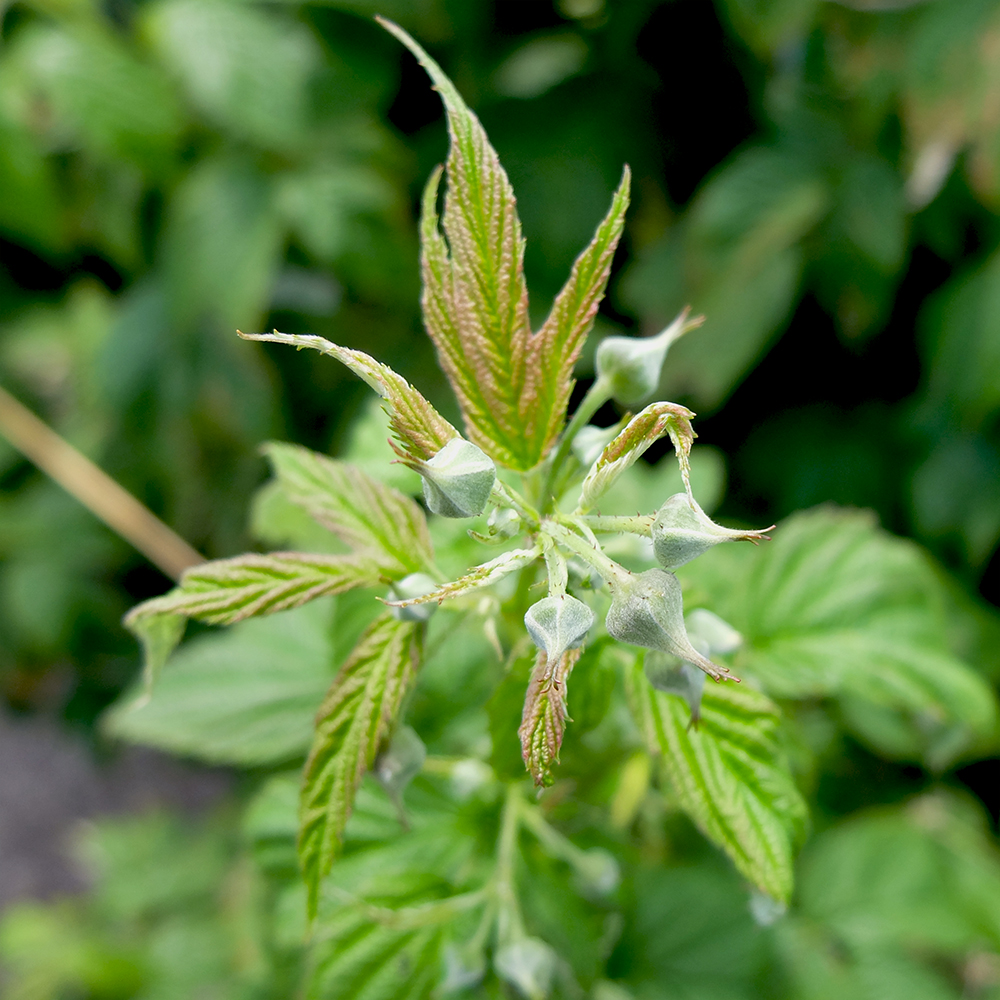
{"x": 374, "y": 519}
{"x": 482, "y": 576}
{"x": 227, "y": 591}
{"x": 544, "y": 720}
{"x": 512, "y": 385}
{"x": 556, "y": 346}
{"x": 246, "y": 696}
{"x": 729, "y": 776}
{"x": 352, "y": 723}
{"x": 642, "y": 431}
{"x": 422, "y": 431}
{"x": 835, "y": 607}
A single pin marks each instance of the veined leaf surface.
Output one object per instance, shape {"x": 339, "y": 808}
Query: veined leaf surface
{"x": 642, "y": 431}
{"x": 374, "y": 519}
{"x": 352, "y": 723}
{"x": 422, "y": 431}
{"x": 729, "y": 775}
{"x": 230, "y": 590}
{"x": 513, "y": 386}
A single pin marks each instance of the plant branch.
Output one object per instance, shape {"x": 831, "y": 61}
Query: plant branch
{"x": 95, "y": 489}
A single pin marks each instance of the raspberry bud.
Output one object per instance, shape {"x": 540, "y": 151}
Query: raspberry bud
{"x": 458, "y": 480}
{"x": 414, "y": 585}
{"x": 682, "y": 531}
{"x": 528, "y": 964}
{"x": 556, "y": 624}
{"x": 648, "y": 610}
{"x": 631, "y": 366}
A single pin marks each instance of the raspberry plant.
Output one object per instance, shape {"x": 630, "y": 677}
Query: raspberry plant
{"x": 416, "y": 904}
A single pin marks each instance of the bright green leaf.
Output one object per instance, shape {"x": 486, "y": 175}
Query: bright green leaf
{"x": 421, "y": 430}
{"x": 245, "y": 697}
{"x": 352, "y": 723}
{"x": 730, "y": 776}
{"x": 376, "y": 520}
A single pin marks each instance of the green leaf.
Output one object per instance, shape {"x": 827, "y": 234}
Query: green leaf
{"x": 229, "y": 590}
{"x": 422, "y": 431}
{"x": 376, "y": 520}
{"x": 835, "y": 607}
{"x": 245, "y": 697}
{"x": 639, "y": 434}
{"x": 482, "y": 576}
{"x": 352, "y": 723}
{"x": 513, "y": 386}
{"x": 557, "y": 345}
{"x": 729, "y": 775}
{"x": 543, "y": 721}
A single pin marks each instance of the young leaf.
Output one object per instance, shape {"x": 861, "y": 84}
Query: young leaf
{"x": 729, "y": 776}
{"x": 544, "y": 720}
{"x": 513, "y": 386}
{"x": 640, "y": 433}
{"x": 556, "y": 346}
{"x": 229, "y": 590}
{"x": 372, "y": 518}
{"x": 481, "y": 576}
{"x": 352, "y": 723}
{"x": 422, "y": 431}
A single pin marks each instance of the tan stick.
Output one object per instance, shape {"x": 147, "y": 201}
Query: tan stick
{"x": 96, "y": 490}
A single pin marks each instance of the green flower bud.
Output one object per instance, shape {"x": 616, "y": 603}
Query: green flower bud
{"x": 647, "y": 610}
{"x": 414, "y": 585}
{"x": 710, "y": 634}
{"x": 528, "y": 964}
{"x": 596, "y": 873}
{"x": 682, "y": 531}
{"x": 464, "y": 966}
{"x": 631, "y": 366}
{"x": 458, "y": 480}
{"x": 400, "y": 762}
{"x": 590, "y": 441}
{"x": 503, "y": 522}
{"x": 676, "y": 676}
{"x": 556, "y": 624}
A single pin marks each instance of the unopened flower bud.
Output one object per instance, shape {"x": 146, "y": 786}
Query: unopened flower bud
{"x": 414, "y": 585}
{"x": 503, "y": 522}
{"x": 458, "y": 479}
{"x": 682, "y": 531}
{"x": 528, "y": 964}
{"x": 590, "y": 441}
{"x": 647, "y": 610}
{"x": 556, "y": 624}
{"x": 631, "y": 366}
{"x": 676, "y": 676}
{"x": 400, "y": 762}
{"x": 597, "y": 872}
{"x": 464, "y": 966}
{"x": 705, "y": 628}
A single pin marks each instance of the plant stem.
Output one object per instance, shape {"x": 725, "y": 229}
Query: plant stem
{"x": 506, "y": 496}
{"x": 95, "y": 489}
{"x": 639, "y": 525}
{"x": 604, "y": 565}
{"x": 597, "y": 395}
{"x": 510, "y": 926}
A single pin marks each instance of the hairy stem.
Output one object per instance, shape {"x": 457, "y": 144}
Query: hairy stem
{"x": 641, "y": 524}
{"x": 597, "y": 395}
{"x": 586, "y": 550}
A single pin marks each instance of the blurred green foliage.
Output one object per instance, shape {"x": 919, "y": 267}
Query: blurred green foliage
{"x": 821, "y": 179}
